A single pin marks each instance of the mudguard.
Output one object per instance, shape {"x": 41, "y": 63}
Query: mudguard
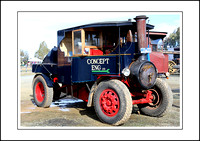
{"x": 47, "y": 79}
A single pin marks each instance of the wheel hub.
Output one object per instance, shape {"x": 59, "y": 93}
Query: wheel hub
{"x": 155, "y": 99}
{"x": 109, "y": 102}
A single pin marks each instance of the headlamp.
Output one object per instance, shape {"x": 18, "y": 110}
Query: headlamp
{"x": 126, "y": 72}
{"x": 167, "y": 74}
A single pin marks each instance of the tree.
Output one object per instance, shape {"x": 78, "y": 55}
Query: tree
{"x": 173, "y": 39}
{"x": 24, "y": 56}
{"x": 42, "y": 51}
{"x": 178, "y": 36}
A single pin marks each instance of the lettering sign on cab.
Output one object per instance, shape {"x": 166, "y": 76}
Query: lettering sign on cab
{"x": 98, "y": 61}
{"x": 96, "y": 64}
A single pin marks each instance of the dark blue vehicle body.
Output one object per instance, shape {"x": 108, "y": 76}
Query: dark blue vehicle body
{"x": 77, "y": 69}
{"x": 83, "y": 67}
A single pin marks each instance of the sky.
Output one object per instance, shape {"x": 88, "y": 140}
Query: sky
{"x": 35, "y": 27}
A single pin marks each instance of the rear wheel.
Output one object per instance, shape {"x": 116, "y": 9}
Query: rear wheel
{"x": 162, "y": 100}
{"x": 42, "y": 94}
{"x": 112, "y": 102}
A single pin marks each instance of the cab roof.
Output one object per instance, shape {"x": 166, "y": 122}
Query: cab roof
{"x": 127, "y": 24}
{"x": 107, "y": 24}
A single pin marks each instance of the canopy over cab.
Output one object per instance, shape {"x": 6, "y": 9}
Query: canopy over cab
{"x": 86, "y": 39}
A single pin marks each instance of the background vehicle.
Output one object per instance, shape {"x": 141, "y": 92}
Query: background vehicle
{"x": 174, "y": 59}
{"x": 105, "y": 65}
{"x": 173, "y": 54}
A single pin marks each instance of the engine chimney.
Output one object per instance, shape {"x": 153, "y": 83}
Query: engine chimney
{"x": 141, "y": 31}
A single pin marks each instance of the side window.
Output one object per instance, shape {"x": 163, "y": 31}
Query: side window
{"x": 157, "y": 45}
{"x": 77, "y": 42}
{"x": 86, "y": 43}
{"x": 92, "y": 38}
{"x": 66, "y": 44}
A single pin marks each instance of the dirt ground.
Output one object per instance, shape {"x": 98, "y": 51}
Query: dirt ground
{"x": 71, "y": 112}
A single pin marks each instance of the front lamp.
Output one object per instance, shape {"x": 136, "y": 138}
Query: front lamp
{"x": 126, "y": 72}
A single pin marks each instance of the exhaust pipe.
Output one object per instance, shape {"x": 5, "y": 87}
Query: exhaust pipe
{"x": 141, "y": 31}
{"x": 141, "y": 36}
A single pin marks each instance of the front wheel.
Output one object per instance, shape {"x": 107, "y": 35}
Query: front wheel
{"x": 112, "y": 102}
{"x": 162, "y": 100}
{"x": 42, "y": 94}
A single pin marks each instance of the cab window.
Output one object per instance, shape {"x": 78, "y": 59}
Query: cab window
{"x": 77, "y": 43}
{"x": 92, "y": 38}
{"x": 66, "y": 44}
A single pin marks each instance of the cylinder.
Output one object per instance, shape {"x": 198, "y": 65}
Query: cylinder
{"x": 141, "y": 31}
{"x": 143, "y": 74}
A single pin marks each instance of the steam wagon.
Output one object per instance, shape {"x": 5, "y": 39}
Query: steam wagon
{"x": 108, "y": 67}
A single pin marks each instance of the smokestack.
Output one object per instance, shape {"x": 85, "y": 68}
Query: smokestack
{"x": 141, "y": 31}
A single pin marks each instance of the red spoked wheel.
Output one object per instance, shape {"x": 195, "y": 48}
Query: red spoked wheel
{"x": 42, "y": 94}
{"x": 109, "y": 102}
{"x": 112, "y": 102}
{"x": 39, "y": 91}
